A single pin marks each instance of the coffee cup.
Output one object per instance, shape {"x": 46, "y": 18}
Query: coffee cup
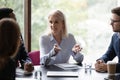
{"x": 111, "y": 67}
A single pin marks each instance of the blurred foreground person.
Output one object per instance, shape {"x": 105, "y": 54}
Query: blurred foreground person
{"x": 9, "y": 45}
{"x": 22, "y": 59}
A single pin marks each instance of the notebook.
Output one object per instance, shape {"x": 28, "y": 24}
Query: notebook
{"x": 62, "y": 73}
{"x": 67, "y": 66}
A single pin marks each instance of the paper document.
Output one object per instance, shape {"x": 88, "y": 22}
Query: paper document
{"x": 22, "y": 73}
{"x": 67, "y": 66}
{"x": 62, "y": 73}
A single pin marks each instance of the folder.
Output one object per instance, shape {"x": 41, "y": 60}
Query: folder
{"x": 67, "y": 66}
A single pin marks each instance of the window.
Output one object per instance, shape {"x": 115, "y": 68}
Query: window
{"x": 18, "y": 7}
{"x": 90, "y": 19}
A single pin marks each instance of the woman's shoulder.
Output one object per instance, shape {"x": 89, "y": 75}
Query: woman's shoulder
{"x": 70, "y": 35}
{"x": 44, "y": 36}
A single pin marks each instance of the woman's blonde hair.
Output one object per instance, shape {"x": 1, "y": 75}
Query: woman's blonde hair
{"x": 9, "y": 37}
{"x": 61, "y": 16}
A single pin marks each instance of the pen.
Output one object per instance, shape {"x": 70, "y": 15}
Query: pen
{"x": 26, "y": 61}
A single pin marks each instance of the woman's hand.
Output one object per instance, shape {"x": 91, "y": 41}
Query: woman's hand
{"x": 56, "y": 48}
{"x": 76, "y": 48}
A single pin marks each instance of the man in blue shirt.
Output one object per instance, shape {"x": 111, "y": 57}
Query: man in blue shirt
{"x": 114, "y": 47}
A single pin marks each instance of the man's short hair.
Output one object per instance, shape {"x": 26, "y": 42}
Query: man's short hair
{"x": 4, "y": 12}
{"x": 116, "y": 11}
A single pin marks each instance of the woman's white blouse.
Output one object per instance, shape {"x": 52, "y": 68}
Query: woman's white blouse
{"x": 47, "y": 52}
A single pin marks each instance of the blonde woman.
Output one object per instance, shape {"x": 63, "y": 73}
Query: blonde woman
{"x": 57, "y": 46}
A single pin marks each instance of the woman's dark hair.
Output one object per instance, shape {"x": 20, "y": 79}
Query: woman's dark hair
{"x": 9, "y": 37}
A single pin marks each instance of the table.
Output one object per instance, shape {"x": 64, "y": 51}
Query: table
{"x": 93, "y": 75}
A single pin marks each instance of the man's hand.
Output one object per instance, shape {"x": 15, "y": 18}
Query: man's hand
{"x": 28, "y": 66}
{"x": 100, "y": 66}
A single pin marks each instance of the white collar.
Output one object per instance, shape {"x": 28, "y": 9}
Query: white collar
{"x": 118, "y": 35}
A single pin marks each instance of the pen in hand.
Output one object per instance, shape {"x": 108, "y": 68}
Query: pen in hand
{"x": 24, "y": 61}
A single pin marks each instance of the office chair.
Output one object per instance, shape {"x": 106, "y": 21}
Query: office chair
{"x": 35, "y": 57}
